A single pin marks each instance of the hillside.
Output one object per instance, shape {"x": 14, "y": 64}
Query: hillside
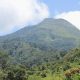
{"x": 45, "y": 40}
{"x": 46, "y": 51}
{"x": 66, "y": 68}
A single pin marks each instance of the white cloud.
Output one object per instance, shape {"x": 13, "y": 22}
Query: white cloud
{"x": 15, "y": 14}
{"x": 72, "y": 16}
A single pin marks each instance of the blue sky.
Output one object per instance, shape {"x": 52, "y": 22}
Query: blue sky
{"x": 59, "y": 6}
{"x": 15, "y": 14}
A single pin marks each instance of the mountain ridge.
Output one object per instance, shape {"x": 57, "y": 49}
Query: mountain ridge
{"x": 48, "y": 27}
{"x": 43, "y": 22}
{"x": 40, "y": 41}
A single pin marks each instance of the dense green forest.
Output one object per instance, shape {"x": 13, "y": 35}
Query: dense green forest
{"x": 49, "y": 50}
{"x": 65, "y": 67}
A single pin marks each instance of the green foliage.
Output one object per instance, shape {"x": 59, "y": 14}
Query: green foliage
{"x": 41, "y": 52}
{"x": 3, "y": 60}
{"x": 41, "y": 43}
{"x": 16, "y": 74}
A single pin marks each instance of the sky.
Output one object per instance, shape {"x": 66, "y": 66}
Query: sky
{"x": 60, "y": 6}
{"x": 16, "y": 14}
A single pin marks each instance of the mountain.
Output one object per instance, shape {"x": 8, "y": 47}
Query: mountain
{"x": 35, "y": 43}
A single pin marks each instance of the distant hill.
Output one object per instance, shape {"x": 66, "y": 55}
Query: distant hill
{"x": 41, "y": 41}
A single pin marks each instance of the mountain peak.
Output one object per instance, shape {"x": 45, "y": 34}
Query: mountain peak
{"x": 53, "y": 19}
{"x": 50, "y": 35}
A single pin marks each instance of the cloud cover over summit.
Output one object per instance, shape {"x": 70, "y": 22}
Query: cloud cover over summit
{"x": 72, "y": 16}
{"x": 20, "y": 13}
{"x": 16, "y": 14}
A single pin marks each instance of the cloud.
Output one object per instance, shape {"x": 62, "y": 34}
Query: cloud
{"x": 72, "y": 16}
{"x": 15, "y": 14}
